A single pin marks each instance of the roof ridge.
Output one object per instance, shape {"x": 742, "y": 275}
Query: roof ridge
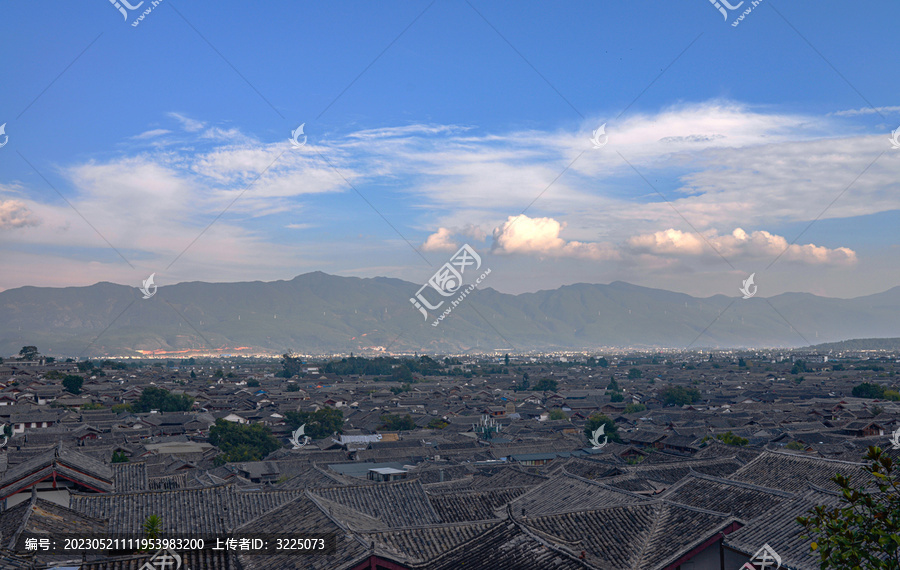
{"x": 659, "y": 511}
{"x": 785, "y": 494}
{"x": 806, "y": 457}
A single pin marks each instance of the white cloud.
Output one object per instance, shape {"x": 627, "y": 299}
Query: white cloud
{"x": 15, "y": 214}
{"x": 540, "y": 236}
{"x": 188, "y": 124}
{"x": 152, "y": 134}
{"x": 441, "y": 240}
{"x": 866, "y": 111}
{"x": 739, "y": 244}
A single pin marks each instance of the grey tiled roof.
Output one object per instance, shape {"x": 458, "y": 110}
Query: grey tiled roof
{"x": 399, "y": 504}
{"x": 204, "y": 510}
{"x": 779, "y": 529}
{"x": 66, "y": 462}
{"x": 129, "y": 476}
{"x": 743, "y": 500}
{"x": 44, "y": 517}
{"x": 568, "y": 492}
{"x": 647, "y": 535}
{"x": 506, "y": 545}
{"x": 303, "y": 515}
{"x": 795, "y": 473}
{"x": 473, "y": 505}
{"x": 423, "y": 544}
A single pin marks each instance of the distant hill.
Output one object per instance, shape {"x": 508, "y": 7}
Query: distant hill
{"x": 318, "y": 313}
{"x": 861, "y": 344}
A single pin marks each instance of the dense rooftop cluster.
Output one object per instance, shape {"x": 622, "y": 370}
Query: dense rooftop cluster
{"x": 707, "y": 456}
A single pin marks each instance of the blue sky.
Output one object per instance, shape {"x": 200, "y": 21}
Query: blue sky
{"x": 430, "y": 125}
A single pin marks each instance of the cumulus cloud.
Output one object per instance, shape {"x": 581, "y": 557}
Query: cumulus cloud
{"x": 441, "y": 240}
{"x": 524, "y": 235}
{"x": 739, "y": 243}
{"x": 15, "y": 214}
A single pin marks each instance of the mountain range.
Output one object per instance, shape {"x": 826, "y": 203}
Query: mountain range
{"x": 317, "y": 313}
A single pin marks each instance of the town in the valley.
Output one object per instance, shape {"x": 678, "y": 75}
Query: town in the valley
{"x": 650, "y": 460}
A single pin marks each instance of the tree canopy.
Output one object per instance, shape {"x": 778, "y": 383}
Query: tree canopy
{"x": 611, "y": 431}
{"x": 867, "y": 390}
{"x": 29, "y": 353}
{"x": 864, "y": 530}
{"x": 242, "y": 442}
{"x": 396, "y": 422}
{"x": 680, "y": 396}
{"x": 319, "y": 424}
{"x": 153, "y": 398}
{"x": 73, "y": 383}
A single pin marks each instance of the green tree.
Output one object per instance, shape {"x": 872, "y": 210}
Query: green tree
{"x": 524, "y": 385}
{"x": 396, "y": 422}
{"x": 73, "y": 383}
{"x": 545, "y": 385}
{"x": 29, "y": 353}
{"x": 617, "y": 397}
{"x": 219, "y": 373}
{"x": 253, "y": 383}
{"x": 242, "y": 442}
{"x": 864, "y": 531}
{"x": 153, "y": 398}
{"x": 438, "y": 423}
{"x": 293, "y": 387}
{"x": 557, "y": 414}
{"x": 506, "y": 359}
{"x": 729, "y": 438}
{"x": 866, "y": 390}
{"x": 795, "y": 445}
{"x": 119, "y": 457}
{"x": 152, "y": 527}
{"x": 613, "y": 385}
{"x": 193, "y": 375}
{"x": 85, "y": 366}
{"x": 634, "y": 408}
{"x": 290, "y": 365}
{"x": 680, "y": 396}
{"x": 611, "y": 431}
{"x": 321, "y": 423}
{"x": 634, "y": 373}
